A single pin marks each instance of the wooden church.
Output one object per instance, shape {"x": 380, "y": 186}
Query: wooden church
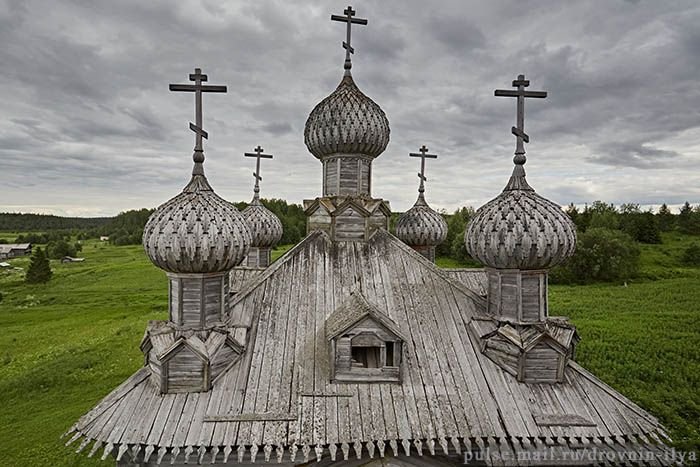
{"x": 354, "y": 348}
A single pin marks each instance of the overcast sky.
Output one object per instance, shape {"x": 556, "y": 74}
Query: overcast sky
{"x": 90, "y": 128}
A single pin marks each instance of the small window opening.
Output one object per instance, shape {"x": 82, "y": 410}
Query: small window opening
{"x": 366, "y": 357}
{"x": 390, "y": 354}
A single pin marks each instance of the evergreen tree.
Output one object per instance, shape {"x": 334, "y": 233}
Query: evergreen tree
{"x": 39, "y": 270}
{"x": 666, "y": 218}
{"x": 573, "y": 213}
{"x": 684, "y": 217}
{"x": 647, "y": 228}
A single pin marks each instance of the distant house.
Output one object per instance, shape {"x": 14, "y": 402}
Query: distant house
{"x": 70, "y": 259}
{"x": 104, "y": 238}
{"x": 14, "y": 250}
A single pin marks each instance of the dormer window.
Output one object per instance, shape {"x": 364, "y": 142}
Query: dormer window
{"x": 365, "y": 344}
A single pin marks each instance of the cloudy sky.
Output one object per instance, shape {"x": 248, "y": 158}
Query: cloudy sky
{"x": 90, "y": 127}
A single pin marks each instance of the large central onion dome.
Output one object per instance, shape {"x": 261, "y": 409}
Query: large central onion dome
{"x": 196, "y": 231}
{"x": 347, "y": 122}
{"x": 421, "y": 225}
{"x": 520, "y": 229}
{"x": 265, "y": 226}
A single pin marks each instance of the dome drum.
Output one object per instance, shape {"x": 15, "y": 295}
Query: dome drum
{"x": 347, "y": 174}
{"x": 207, "y": 309}
{"x": 517, "y": 296}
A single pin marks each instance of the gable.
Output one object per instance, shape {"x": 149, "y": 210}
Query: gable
{"x": 356, "y": 310}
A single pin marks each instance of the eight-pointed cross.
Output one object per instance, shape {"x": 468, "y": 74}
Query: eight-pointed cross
{"x": 198, "y": 89}
{"x": 258, "y": 155}
{"x": 521, "y": 83}
{"x": 423, "y": 156}
{"x": 348, "y": 18}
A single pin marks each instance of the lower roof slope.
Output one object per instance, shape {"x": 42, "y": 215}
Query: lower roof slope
{"x": 278, "y": 398}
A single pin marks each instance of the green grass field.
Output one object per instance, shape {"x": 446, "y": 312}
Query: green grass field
{"x": 66, "y": 344}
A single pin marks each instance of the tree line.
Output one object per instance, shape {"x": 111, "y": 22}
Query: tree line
{"x": 18, "y": 222}
{"x": 127, "y": 227}
{"x": 607, "y": 248}
{"x": 608, "y": 239}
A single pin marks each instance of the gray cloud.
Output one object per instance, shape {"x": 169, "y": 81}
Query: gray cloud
{"x": 633, "y": 154}
{"x": 89, "y": 115}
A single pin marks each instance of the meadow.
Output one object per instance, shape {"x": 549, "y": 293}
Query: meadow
{"x": 66, "y": 344}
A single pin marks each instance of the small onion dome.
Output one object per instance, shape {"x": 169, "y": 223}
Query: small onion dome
{"x": 265, "y": 227}
{"x": 196, "y": 231}
{"x": 421, "y": 225}
{"x": 519, "y": 229}
{"x": 346, "y": 122}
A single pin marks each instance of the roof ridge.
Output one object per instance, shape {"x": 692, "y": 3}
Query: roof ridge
{"x": 254, "y": 282}
{"x": 478, "y": 299}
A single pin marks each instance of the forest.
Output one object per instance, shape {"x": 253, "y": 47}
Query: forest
{"x": 607, "y": 250}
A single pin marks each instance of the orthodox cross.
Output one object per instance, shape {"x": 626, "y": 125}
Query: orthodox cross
{"x": 348, "y": 18}
{"x": 198, "y": 88}
{"x": 423, "y": 156}
{"x": 521, "y": 83}
{"x": 258, "y": 155}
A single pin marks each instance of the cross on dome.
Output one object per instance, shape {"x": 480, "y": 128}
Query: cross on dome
{"x": 258, "y": 155}
{"x": 521, "y": 83}
{"x": 423, "y": 156}
{"x": 198, "y": 88}
{"x": 348, "y": 18}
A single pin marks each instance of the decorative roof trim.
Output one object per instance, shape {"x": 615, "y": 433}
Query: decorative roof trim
{"x": 495, "y": 448}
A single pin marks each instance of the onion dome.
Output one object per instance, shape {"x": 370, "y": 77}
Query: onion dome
{"x": 265, "y": 226}
{"x": 421, "y": 225}
{"x": 196, "y": 231}
{"x": 520, "y": 229}
{"x": 346, "y": 122}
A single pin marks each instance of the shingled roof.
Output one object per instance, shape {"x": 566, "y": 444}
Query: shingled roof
{"x": 277, "y": 401}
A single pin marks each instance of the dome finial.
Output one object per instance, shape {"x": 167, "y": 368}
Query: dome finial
{"x": 517, "y": 180}
{"x": 521, "y": 83}
{"x": 348, "y": 18}
{"x": 198, "y": 89}
{"x": 421, "y": 175}
{"x": 258, "y": 155}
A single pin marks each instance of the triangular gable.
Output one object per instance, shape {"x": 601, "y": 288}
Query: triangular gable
{"x": 561, "y": 331}
{"x": 193, "y": 343}
{"x": 309, "y": 204}
{"x": 352, "y": 311}
{"x": 378, "y": 205}
{"x": 350, "y": 203}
